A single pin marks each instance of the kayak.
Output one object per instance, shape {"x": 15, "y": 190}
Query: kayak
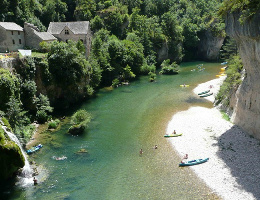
{"x": 173, "y": 135}
{"x": 204, "y": 92}
{"x": 224, "y": 63}
{"x": 206, "y": 95}
{"x": 184, "y": 85}
{"x": 34, "y": 149}
{"x": 193, "y": 162}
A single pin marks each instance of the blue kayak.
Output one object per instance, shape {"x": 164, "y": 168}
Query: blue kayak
{"x": 193, "y": 162}
{"x": 34, "y": 149}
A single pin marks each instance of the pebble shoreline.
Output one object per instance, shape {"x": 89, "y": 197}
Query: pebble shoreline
{"x": 232, "y": 171}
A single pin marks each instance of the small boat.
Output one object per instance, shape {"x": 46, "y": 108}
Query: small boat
{"x": 184, "y": 85}
{"x": 193, "y": 162}
{"x": 173, "y": 135}
{"x": 224, "y": 63}
{"x": 207, "y": 91}
{"x": 34, "y": 149}
{"x": 206, "y": 95}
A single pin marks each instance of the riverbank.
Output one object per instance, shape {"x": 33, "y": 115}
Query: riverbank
{"x": 234, "y": 157}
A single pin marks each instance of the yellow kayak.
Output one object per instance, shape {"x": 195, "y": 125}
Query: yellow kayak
{"x": 184, "y": 85}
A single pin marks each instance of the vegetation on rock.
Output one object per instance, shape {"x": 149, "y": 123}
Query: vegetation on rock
{"x": 79, "y": 121}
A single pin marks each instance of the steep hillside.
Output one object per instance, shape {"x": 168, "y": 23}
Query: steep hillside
{"x": 246, "y": 101}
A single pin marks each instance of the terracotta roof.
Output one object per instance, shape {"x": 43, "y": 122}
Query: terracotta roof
{"x": 79, "y": 27}
{"x": 11, "y": 26}
{"x": 45, "y": 36}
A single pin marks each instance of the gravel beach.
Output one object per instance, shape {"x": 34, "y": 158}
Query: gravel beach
{"x": 233, "y": 169}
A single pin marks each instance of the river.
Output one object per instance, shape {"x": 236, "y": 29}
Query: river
{"x": 125, "y": 120}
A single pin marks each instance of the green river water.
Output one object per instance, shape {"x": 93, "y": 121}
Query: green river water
{"x": 124, "y": 120}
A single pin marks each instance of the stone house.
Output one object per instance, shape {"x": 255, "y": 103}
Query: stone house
{"x": 11, "y": 37}
{"x": 79, "y": 30}
{"x": 14, "y": 37}
{"x": 33, "y": 36}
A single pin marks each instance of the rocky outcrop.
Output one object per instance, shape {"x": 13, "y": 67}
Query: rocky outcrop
{"x": 246, "y": 101}
{"x": 209, "y": 46}
{"x": 11, "y": 157}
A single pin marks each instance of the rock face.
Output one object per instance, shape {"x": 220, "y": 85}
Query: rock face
{"x": 11, "y": 157}
{"x": 209, "y": 46}
{"x": 246, "y": 101}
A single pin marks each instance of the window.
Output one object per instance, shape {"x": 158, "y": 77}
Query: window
{"x": 66, "y": 32}
{"x": 13, "y": 42}
{"x": 66, "y": 41}
{"x": 18, "y": 32}
{"x": 12, "y": 32}
{"x": 20, "y": 41}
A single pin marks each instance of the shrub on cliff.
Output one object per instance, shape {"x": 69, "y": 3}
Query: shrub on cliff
{"x": 232, "y": 81}
{"x": 79, "y": 121}
{"x": 9, "y": 87}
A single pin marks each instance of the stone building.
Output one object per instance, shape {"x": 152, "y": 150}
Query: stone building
{"x": 11, "y": 37}
{"x": 33, "y": 36}
{"x": 75, "y": 31}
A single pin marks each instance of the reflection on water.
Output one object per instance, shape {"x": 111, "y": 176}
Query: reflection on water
{"x": 125, "y": 120}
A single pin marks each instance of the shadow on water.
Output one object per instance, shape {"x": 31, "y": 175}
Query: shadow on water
{"x": 241, "y": 154}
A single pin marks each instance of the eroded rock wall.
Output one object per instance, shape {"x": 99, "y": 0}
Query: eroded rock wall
{"x": 209, "y": 46}
{"x": 246, "y": 101}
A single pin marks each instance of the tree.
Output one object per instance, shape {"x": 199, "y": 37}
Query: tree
{"x": 43, "y": 108}
{"x": 15, "y": 114}
{"x": 9, "y": 87}
{"x": 66, "y": 63}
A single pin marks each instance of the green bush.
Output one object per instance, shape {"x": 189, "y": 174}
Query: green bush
{"x": 53, "y": 124}
{"x": 168, "y": 68}
{"x": 79, "y": 121}
{"x": 232, "y": 81}
{"x": 152, "y": 76}
{"x": 115, "y": 82}
{"x": 41, "y": 116}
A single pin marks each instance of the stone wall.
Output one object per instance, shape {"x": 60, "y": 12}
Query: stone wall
{"x": 11, "y": 40}
{"x": 245, "y": 102}
{"x": 31, "y": 39}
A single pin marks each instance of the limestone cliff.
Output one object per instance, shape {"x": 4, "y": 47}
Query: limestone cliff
{"x": 209, "y": 46}
{"x": 246, "y": 101}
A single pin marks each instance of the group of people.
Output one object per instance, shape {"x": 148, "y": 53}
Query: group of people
{"x": 141, "y": 150}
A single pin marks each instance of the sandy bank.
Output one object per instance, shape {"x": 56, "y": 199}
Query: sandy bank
{"x": 233, "y": 169}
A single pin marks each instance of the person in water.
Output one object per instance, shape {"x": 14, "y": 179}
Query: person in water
{"x": 141, "y": 151}
{"x": 35, "y": 181}
{"x": 155, "y": 147}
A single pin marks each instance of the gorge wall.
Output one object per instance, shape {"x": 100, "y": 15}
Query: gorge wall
{"x": 209, "y": 46}
{"x": 245, "y": 102}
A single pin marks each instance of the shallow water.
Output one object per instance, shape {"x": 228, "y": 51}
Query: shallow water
{"x": 124, "y": 120}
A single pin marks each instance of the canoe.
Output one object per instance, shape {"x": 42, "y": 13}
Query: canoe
{"x": 193, "y": 162}
{"x": 184, "y": 85}
{"x": 224, "y": 63}
{"x": 34, "y": 149}
{"x": 204, "y": 92}
{"x": 206, "y": 95}
{"x": 173, "y": 135}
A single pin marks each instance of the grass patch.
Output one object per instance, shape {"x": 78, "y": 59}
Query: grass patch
{"x": 225, "y": 116}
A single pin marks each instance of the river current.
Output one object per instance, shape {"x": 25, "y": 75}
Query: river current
{"x": 125, "y": 120}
